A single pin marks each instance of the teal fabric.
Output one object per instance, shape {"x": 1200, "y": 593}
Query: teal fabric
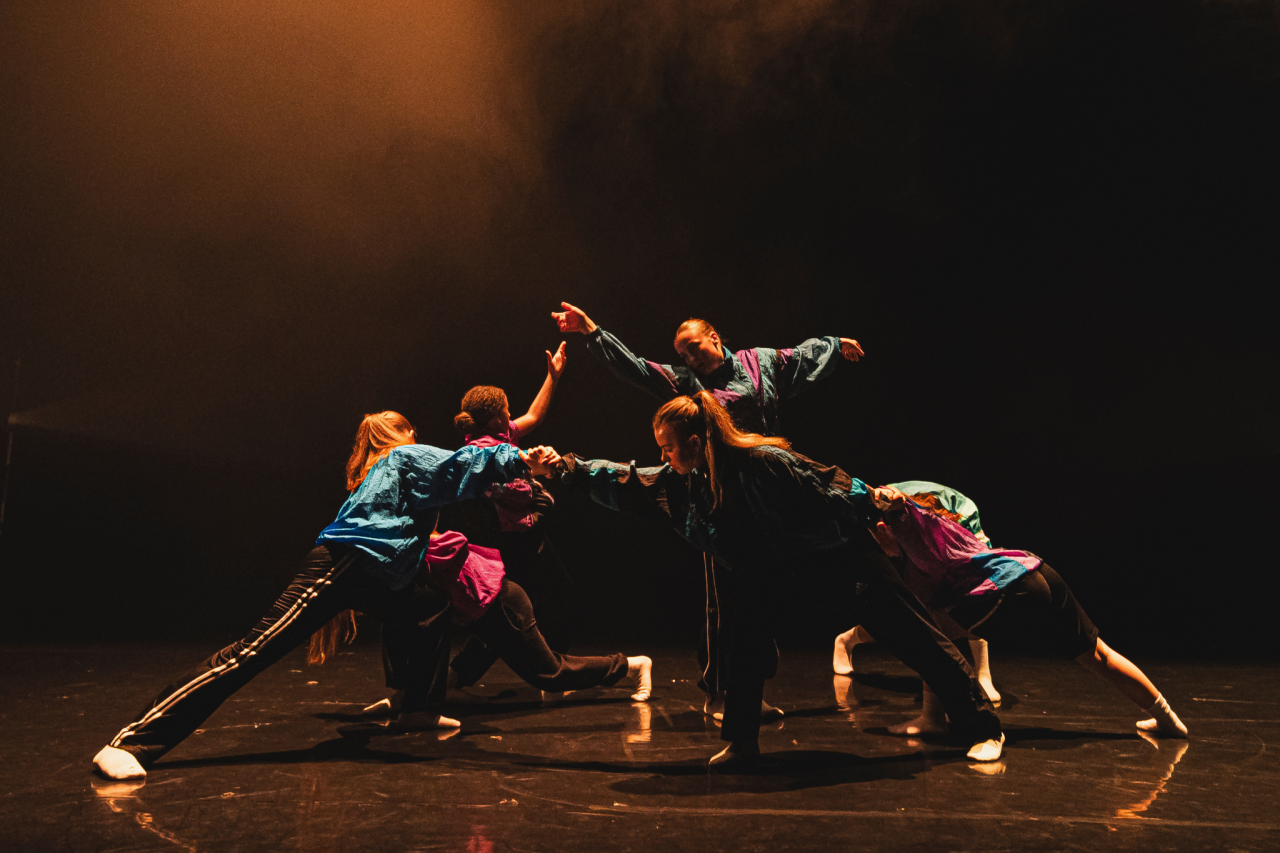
{"x": 391, "y": 514}
{"x": 951, "y": 500}
{"x": 750, "y": 383}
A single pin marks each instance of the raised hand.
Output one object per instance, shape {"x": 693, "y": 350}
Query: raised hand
{"x": 573, "y": 319}
{"x": 850, "y": 349}
{"x": 556, "y": 363}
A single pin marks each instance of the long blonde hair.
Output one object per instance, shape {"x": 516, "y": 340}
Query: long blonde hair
{"x": 377, "y": 435}
{"x": 703, "y": 416}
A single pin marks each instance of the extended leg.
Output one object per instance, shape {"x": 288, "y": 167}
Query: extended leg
{"x": 1122, "y": 674}
{"x": 325, "y": 587}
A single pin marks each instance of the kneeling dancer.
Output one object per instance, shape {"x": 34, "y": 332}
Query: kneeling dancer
{"x": 500, "y": 614}
{"x": 365, "y": 560}
{"x": 775, "y": 518}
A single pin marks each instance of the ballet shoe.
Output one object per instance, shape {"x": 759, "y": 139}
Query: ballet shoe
{"x": 713, "y": 707}
{"x": 385, "y": 707}
{"x": 988, "y": 750}
{"x": 841, "y": 657}
{"x": 421, "y": 721}
{"x": 118, "y": 764}
{"x": 643, "y": 667}
{"x": 735, "y": 757}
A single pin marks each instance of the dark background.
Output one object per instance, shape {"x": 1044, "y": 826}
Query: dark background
{"x": 231, "y": 229}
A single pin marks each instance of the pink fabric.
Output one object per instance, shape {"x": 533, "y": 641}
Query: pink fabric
{"x": 947, "y": 561}
{"x": 513, "y": 500}
{"x": 471, "y": 574}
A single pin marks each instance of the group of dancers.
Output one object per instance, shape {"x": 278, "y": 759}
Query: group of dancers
{"x": 428, "y": 539}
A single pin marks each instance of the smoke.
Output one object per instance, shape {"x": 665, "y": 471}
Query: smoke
{"x": 255, "y": 204}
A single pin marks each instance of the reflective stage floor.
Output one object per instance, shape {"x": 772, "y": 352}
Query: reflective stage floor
{"x": 287, "y": 764}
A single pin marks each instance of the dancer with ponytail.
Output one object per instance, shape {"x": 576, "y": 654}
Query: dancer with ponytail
{"x": 365, "y": 560}
{"x": 777, "y": 519}
{"x": 751, "y": 384}
{"x": 1012, "y": 596}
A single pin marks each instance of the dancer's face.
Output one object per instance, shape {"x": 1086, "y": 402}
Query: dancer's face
{"x": 700, "y": 350}
{"x": 682, "y": 456}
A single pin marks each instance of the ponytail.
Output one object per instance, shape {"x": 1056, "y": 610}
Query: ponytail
{"x": 703, "y": 416}
{"x": 324, "y": 643}
{"x": 375, "y": 437}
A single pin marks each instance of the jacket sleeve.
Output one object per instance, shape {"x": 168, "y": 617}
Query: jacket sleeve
{"x": 646, "y": 492}
{"x": 799, "y": 368}
{"x": 434, "y": 478}
{"x": 661, "y": 380}
{"x": 798, "y": 500}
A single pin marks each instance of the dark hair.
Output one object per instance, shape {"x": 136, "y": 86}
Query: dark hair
{"x": 702, "y": 415}
{"x": 479, "y": 406}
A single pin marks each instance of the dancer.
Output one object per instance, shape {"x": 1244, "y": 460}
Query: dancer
{"x": 1013, "y": 596}
{"x": 751, "y": 384}
{"x": 499, "y": 612}
{"x": 511, "y": 517}
{"x": 964, "y": 512}
{"x": 776, "y": 519}
{"x": 365, "y": 560}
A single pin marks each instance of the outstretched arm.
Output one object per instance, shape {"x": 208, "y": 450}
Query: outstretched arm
{"x": 661, "y": 380}
{"x": 538, "y": 409}
{"x": 800, "y": 367}
{"x": 649, "y": 492}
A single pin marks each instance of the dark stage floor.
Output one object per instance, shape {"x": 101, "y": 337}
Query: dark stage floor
{"x": 286, "y": 766}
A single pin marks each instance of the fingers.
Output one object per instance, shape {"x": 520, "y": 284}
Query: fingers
{"x": 851, "y": 349}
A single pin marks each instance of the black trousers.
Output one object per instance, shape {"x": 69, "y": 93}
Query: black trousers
{"x": 510, "y": 630}
{"x": 1037, "y": 612}
{"x": 534, "y": 565}
{"x": 882, "y": 603}
{"x": 714, "y": 649}
{"x": 332, "y": 579}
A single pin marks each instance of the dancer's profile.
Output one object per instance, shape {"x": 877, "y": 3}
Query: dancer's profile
{"x": 775, "y": 518}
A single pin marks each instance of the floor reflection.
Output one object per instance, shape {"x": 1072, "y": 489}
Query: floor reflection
{"x": 1135, "y": 811}
{"x": 122, "y": 799}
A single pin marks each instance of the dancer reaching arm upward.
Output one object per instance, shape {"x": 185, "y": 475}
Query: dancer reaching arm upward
{"x": 510, "y": 517}
{"x": 774, "y": 518}
{"x": 751, "y": 384}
